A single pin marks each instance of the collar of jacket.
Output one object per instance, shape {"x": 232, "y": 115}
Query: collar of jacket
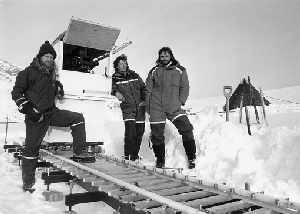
{"x": 170, "y": 66}
{"x": 126, "y": 73}
{"x": 36, "y": 63}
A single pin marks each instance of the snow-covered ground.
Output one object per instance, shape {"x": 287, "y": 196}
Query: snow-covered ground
{"x": 269, "y": 159}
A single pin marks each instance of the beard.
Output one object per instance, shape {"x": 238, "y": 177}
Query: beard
{"x": 47, "y": 64}
{"x": 165, "y": 62}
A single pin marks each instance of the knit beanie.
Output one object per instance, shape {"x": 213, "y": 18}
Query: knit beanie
{"x": 45, "y": 49}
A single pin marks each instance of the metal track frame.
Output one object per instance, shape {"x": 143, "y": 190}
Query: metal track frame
{"x": 272, "y": 203}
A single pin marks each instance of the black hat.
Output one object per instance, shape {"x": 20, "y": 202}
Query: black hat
{"x": 45, "y": 49}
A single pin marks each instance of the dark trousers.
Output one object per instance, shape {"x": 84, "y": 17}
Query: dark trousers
{"x": 35, "y": 133}
{"x": 185, "y": 129}
{"x": 134, "y": 132}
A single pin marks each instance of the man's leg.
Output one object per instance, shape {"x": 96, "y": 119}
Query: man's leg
{"x": 35, "y": 133}
{"x": 129, "y": 139}
{"x": 140, "y": 129}
{"x": 74, "y": 120}
{"x": 157, "y": 137}
{"x": 28, "y": 172}
{"x": 158, "y": 141}
{"x": 185, "y": 129}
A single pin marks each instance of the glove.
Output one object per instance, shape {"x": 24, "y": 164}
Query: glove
{"x": 60, "y": 90}
{"x": 23, "y": 105}
{"x": 27, "y": 108}
{"x": 34, "y": 115}
{"x": 120, "y": 96}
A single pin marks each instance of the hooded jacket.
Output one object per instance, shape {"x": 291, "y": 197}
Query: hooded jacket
{"x": 131, "y": 86}
{"x": 37, "y": 86}
{"x": 167, "y": 89}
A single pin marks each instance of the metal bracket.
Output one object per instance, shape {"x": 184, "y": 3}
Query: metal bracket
{"x": 56, "y": 177}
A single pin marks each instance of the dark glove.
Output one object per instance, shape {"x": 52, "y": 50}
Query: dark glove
{"x": 23, "y": 105}
{"x": 34, "y": 115}
{"x": 27, "y": 108}
{"x": 60, "y": 90}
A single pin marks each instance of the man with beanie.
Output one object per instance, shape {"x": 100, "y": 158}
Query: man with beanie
{"x": 129, "y": 88}
{"x": 34, "y": 93}
{"x": 167, "y": 89}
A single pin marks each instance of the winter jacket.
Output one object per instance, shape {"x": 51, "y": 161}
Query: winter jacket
{"x": 131, "y": 86}
{"x": 35, "y": 86}
{"x": 167, "y": 89}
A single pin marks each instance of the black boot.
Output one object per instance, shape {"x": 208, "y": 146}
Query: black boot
{"x": 159, "y": 151}
{"x": 28, "y": 173}
{"x": 132, "y": 157}
{"x": 190, "y": 150}
{"x": 28, "y": 188}
{"x": 135, "y": 157}
{"x": 84, "y": 157}
{"x": 160, "y": 162}
{"x": 191, "y": 161}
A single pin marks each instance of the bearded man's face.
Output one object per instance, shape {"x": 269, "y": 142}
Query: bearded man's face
{"x": 47, "y": 61}
{"x": 165, "y": 58}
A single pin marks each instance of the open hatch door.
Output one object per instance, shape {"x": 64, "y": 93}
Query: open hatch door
{"x": 84, "y": 43}
{"x": 91, "y": 35}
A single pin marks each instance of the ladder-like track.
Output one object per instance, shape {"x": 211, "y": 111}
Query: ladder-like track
{"x": 158, "y": 191}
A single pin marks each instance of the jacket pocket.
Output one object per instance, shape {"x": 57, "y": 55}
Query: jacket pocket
{"x": 176, "y": 80}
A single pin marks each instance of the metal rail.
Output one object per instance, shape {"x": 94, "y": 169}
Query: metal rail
{"x": 131, "y": 187}
{"x": 268, "y": 203}
{"x": 258, "y": 198}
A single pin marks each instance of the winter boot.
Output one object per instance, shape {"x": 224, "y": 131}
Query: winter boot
{"x": 159, "y": 151}
{"x": 160, "y": 162}
{"x": 190, "y": 150}
{"x": 191, "y": 161}
{"x": 84, "y": 157}
{"x": 28, "y": 188}
{"x": 135, "y": 157}
{"x": 125, "y": 157}
{"x": 28, "y": 174}
{"x": 131, "y": 157}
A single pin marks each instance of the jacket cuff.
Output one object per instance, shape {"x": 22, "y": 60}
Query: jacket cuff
{"x": 24, "y": 106}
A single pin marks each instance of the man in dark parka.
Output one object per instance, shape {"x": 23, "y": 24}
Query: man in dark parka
{"x": 129, "y": 88}
{"x": 35, "y": 90}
